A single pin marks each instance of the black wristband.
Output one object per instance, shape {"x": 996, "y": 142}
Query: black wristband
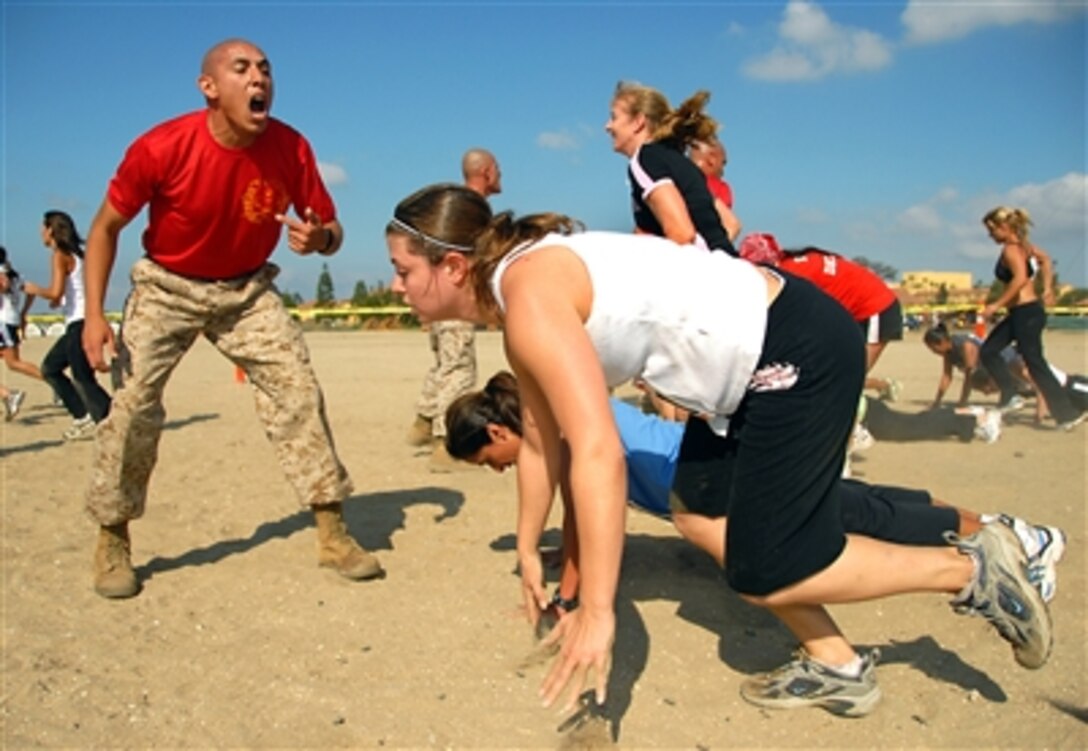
{"x": 567, "y": 605}
{"x": 329, "y": 242}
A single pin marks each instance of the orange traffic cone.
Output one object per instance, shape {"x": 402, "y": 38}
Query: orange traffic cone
{"x": 980, "y": 324}
{"x": 239, "y": 374}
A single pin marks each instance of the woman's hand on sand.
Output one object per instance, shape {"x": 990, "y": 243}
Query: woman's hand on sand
{"x": 532, "y": 586}
{"x": 585, "y": 639}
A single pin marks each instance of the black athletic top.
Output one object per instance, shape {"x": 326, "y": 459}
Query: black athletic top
{"x": 656, "y": 163}
{"x": 1004, "y": 273}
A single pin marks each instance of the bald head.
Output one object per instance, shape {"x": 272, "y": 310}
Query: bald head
{"x": 709, "y": 156}
{"x": 213, "y": 56}
{"x": 481, "y": 172}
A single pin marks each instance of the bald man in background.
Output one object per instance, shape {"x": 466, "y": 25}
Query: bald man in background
{"x": 452, "y": 342}
{"x": 709, "y": 156}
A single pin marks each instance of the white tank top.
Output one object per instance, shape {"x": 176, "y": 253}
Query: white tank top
{"x": 11, "y": 302}
{"x": 10, "y": 307}
{"x": 74, "y": 297}
{"x": 687, "y": 321}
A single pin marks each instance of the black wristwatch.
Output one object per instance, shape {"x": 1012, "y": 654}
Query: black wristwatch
{"x": 567, "y": 605}
{"x": 329, "y": 242}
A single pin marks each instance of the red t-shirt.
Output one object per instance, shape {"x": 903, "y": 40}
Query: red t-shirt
{"x": 720, "y": 189}
{"x": 857, "y": 289}
{"x": 212, "y": 209}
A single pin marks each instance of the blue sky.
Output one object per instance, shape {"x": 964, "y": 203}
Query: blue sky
{"x": 883, "y": 129}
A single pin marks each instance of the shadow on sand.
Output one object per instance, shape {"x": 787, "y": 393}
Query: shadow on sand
{"x": 42, "y": 445}
{"x": 750, "y": 639}
{"x": 373, "y": 526}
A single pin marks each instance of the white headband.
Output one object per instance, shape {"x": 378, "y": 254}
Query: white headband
{"x": 428, "y": 239}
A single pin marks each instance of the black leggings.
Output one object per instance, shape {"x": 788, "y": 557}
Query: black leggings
{"x": 932, "y": 425}
{"x": 85, "y": 395}
{"x": 1024, "y": 325}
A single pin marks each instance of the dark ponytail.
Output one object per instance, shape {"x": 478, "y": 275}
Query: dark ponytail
{"x": 469, "y": 415}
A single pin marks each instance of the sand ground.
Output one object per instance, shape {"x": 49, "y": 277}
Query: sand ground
{"x": 239, "y": 640}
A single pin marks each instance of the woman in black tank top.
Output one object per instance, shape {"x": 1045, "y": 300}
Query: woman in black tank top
{"x": 1026, "y": 317}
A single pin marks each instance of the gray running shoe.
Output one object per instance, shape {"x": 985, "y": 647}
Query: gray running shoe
{"x": 803, "y": 682}
{"x": 1002, "y": 593}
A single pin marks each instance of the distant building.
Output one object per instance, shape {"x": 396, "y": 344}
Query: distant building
{"x": 920, "y": 282}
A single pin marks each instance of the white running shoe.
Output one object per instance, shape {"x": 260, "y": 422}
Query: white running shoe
{"x": 1067, "y": 426}
{"x": 1044, "y": 547}
{"x": 1013, "y": 404}
{"x": 15, "y": 402}
{"x": 861, "y": 439}
{"x": 988, "y": 428}
{"x": 80, "y": 429}
{"x": 892, "y": 390}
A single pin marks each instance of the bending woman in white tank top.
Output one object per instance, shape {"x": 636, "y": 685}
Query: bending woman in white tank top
{"x": 89, "y": 403}
{"x": 776, "y": 367}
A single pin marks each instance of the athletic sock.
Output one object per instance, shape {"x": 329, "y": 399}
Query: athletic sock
{"x": 965, "y": 593}
{"x": 851, "y": 669}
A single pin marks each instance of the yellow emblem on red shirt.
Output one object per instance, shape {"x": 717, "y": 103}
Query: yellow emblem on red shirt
{"x": 263, "y": 199}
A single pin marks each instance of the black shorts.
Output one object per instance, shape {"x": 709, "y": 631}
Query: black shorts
{"x": 885, "y": 326}
{"x": 895, "y": 514}
{"x": 776, "y": 475}
{"x": 9, "y": 336}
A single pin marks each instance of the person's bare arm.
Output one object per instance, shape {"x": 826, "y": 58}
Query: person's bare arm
{"x": 1046, "y": 270}
{"x": 672, "y": 213}
{"x": 729, "y": 219}
{"x": 548, "y": 296}
{"x": 98, "y": 340}
{"x": 970, "y": 365}
{"x": 944, "y": 383}
{"x": 58, "y": 271}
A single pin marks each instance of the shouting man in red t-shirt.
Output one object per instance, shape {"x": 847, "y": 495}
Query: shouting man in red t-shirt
{"x": 218, "y": 183}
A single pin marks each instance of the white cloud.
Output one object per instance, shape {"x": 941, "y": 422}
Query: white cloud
{"x": 561, "y": 140}
{"x": 1057, "y": 209}
{"x": 1059, "y": 204}
{"x": 922, "y": 218}
{"x": 926, "y": 22}
{"x": 812, "y": 46}
{"x": 926, "y": 216}
{"x": 946, "y": 195}
{"x": 332, "y": 174}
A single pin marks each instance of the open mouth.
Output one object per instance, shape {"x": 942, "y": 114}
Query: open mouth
{"x": 258, "y": 104}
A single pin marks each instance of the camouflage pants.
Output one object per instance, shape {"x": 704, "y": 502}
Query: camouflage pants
{"x": 453, "y": 372}
{"x": 245, "y": 319}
